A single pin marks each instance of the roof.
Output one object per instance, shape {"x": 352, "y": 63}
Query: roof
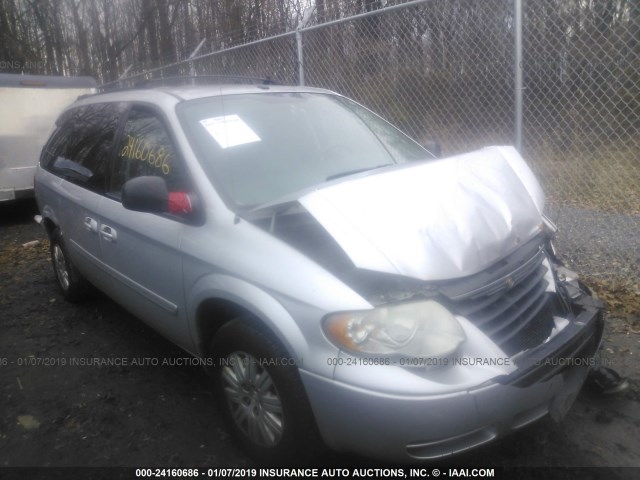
{"x": 164, "y": 94}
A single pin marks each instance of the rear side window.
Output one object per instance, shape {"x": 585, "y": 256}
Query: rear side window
{"x": 79, "y": 149}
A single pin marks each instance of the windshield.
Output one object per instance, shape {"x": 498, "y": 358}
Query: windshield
{"x": 258, "y": 148}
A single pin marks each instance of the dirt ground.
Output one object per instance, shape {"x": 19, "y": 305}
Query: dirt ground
{"x": 165, "y": 416}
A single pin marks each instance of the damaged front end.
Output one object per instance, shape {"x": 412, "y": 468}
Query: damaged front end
{"x": 464, "y": 238}
{"x": 475, "y": 327}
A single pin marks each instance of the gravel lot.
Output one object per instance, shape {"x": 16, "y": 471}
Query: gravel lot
{"x": 599, "y": 244}
{"x": 165, "y": 416}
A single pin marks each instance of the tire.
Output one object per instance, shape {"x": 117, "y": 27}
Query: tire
{"x": 72, "y": 284}
{"x": 263, "y": 403}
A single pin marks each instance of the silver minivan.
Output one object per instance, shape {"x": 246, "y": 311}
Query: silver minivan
{"x": 343, "y": 286}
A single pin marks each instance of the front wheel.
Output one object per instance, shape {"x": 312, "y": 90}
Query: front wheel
{"x": 261, "y": 396}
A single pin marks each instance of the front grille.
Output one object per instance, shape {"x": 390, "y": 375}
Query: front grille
{"x": 509, "y": 303}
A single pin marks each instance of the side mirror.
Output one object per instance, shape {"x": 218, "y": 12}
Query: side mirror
{"x": 145, "y": 194}
{"x": 434, "y": 148}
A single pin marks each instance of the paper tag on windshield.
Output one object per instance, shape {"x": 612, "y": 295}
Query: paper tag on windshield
{"x": 229, "y": 130}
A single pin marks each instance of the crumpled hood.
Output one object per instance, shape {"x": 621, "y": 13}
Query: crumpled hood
{"x": 434, "y": 221}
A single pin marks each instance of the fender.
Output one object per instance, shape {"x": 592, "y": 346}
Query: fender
{"x": 255, "y": 300}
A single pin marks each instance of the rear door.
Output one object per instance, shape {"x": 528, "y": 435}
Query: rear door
{"x": 142, "y": 250}
{"x": 77, "y": 158}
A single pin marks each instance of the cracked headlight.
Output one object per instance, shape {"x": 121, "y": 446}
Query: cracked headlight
{"x": 417, "y": 329}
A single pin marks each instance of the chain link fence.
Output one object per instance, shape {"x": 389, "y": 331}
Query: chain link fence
{"x": 581, "y": 128}
{"x": 446, "y": 70}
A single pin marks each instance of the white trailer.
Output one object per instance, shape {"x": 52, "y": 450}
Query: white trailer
{"x": 29, "y": 106}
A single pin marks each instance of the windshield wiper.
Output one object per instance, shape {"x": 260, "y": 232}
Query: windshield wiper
{"x": 358, "y": 170}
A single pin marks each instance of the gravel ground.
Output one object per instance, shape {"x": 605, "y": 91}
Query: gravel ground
{"x": 599, "y": 244}
{"x": 164, "y": 416}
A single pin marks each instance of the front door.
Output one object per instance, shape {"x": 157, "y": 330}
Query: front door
{"x": 142, "y": 250}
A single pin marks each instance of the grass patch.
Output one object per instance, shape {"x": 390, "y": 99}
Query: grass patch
{"x": 604, "y": 178}
{"x": 621, "y": 298}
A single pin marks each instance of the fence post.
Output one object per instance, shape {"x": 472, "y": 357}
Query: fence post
{"x": 300, "y": 57}
{"x": 518, "y": 73}
{"x": 192, "y": 70}
{"x": 303, "y": 23}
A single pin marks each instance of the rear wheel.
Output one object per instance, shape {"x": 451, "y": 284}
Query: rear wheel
{"x": 71, "y": 282}
{"x": 261, "y": 396}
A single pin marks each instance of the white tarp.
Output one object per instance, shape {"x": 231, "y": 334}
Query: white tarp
{"x": 440, "y": 220}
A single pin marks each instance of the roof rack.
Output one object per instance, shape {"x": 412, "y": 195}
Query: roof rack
{"x": 193, "y": 78}
{"x": 127, "y": 83}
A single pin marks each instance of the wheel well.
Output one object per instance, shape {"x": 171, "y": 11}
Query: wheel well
{"x": 49, "y": 226}
{"x": 213, "y": 314}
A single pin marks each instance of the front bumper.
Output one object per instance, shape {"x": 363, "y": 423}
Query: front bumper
{"x": 412, "y": 428}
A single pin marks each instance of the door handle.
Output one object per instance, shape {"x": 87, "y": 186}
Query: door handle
{"x": 108, "y": 233}
{"x": 90, "y": 224}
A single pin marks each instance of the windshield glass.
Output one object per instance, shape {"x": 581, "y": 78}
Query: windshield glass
{"x": 257, "y": 148}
